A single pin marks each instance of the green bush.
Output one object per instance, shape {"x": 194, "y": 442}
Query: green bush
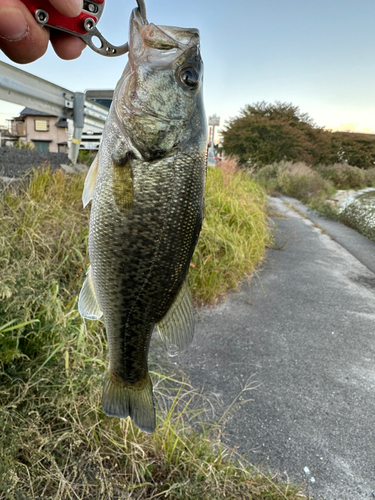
{"x": 343, "y": 176}
{"x": 234, "y": 234}
{"x": 55, "y": 441}
{"x": 370, "y": 177}
{"x": 294, "y": 179}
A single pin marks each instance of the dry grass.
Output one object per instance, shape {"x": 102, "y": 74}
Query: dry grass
{"x": 234, "y": 234}
{"x": 55, "y": 441}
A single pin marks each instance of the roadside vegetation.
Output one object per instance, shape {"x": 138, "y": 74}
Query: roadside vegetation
{"x": 286, "y": 152}
{"x": 360, "y": 214}
{"x": 316, "y": 187}
{"x": 55, "y": 441}
{"x": 234, "y": 234}
{"x": 265, "y": 133}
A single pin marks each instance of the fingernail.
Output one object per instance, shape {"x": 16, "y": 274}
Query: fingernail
{"x": 13, "y": 26}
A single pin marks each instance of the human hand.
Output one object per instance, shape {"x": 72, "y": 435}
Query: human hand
{"x": 24, "y": 41}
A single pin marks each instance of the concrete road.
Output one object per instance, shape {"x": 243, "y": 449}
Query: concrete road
{"x": 304, "y": 330}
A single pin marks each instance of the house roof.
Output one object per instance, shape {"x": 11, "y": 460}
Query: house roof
{"x": 34, "y": 112}
{"x": 62, "y": 122}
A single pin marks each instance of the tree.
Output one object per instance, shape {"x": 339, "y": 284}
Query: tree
{"x": 356, "y": 149}
{"x": 266, "y": 133}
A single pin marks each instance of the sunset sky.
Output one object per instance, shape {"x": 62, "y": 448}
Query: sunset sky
{"x": 318, "y": 55}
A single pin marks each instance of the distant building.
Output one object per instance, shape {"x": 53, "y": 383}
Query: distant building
{"x": 103, "y": 97}
{"x": 44, "y": 131}
{"x": 6, "y": 139}
{"x": 91, "y": 137}
{"x": 50, "y": 133}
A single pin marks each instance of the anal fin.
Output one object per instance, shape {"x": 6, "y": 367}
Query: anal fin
{"x": 176, "y": 329}
{"x": 88, "y": 306}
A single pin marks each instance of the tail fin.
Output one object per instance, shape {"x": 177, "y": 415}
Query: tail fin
{"x": 123, "y": 400}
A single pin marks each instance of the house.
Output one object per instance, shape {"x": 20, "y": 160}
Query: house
{"x": 44, "y": 131}
{"x": 6, "y": 139}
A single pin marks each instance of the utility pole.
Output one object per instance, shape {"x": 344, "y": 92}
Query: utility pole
{"x": 79, "y": 121}
{"x": 213, "y": 121}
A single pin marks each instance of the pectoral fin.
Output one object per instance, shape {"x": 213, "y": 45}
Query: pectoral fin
{"x": 88, "y": 190}
{"x": 88, "y": 306}
{"x": 177, "y": 327}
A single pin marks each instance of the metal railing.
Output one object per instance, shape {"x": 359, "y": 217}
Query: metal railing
{"x": 19, "y": 87}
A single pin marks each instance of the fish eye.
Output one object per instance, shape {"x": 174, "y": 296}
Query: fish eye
{"x": 190, "y": 77}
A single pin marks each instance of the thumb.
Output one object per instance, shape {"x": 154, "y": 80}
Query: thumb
{"x": 70, "y": 8}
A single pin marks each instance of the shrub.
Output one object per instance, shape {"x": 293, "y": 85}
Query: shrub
{"x": 370, "y": 177}
{"x": 267, "y": 177}
{"x": 234, "y": 233}
{"x": 294, "y": 179}
{"x": 301, "y": 182}
{"x": 342, "y": 175}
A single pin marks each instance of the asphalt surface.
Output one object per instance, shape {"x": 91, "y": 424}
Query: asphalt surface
{"x": 302, "y": 332}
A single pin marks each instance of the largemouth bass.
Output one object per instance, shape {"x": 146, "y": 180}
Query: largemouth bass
{"x": 147, "y": 190}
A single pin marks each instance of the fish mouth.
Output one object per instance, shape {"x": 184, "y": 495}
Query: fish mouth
{"x": 166, "y": 39}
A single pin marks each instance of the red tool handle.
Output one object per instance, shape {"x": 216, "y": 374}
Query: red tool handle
{"x": 55, "y": 19}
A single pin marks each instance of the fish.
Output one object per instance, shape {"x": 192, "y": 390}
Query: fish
{"x": 147, "y": 187}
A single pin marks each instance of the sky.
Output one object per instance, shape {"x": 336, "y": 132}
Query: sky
{"x": 318, "y": 55}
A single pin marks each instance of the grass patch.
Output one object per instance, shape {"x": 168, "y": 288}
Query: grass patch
{"x": 343, "y": 176}
{"x": 294, "y": 179}
{"x": 55, "y": 441}
{"x": 234, "y": 234}
{"x": 314, "y": 187}
{"x": 43, "y": 239}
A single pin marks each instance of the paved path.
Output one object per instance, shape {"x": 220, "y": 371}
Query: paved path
{"x": 304, "y": 329}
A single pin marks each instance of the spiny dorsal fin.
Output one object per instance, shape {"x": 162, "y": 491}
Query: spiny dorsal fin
{"x": 88, "y": 190}
{"x": 88, "y": 306}
{"x": 176, "y": 329}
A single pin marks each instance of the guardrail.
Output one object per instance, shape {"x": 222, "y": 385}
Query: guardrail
{"x": 19, "y": 87}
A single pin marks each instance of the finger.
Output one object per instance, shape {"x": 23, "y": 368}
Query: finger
{"x": 70, "y": 8}
{"x": 67, "y": 46}
{"x": 21, "y": 38}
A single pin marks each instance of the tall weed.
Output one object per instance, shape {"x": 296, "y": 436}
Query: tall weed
{"x": 343, "y": 176}
{"x": 55, "y": 441}
{"x": 43, "y": 256}
{"x": 234, "y": 234}
{"x": 370, "y": 177}
{"x": 294, "y": 179}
